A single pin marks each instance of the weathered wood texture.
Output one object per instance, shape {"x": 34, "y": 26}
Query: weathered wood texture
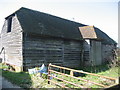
{"x": 39, "y": 50}
{"x": 72, "y": 53}
{"x": 95, "y": 53}
{"x": 107, "y": 53}
{"x": 12, "y": 42}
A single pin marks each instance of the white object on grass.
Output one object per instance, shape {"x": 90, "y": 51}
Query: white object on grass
{"x": 32, "y": 71}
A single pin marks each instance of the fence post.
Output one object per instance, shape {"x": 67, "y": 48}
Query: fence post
{"x": 49, "y": 73}
{"x": 117, "y": 81}
{"x": 71, "y": 73}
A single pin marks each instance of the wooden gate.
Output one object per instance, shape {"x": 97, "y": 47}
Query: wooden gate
{"x": 55, "y": 71}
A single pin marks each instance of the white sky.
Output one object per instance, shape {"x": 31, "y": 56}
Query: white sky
{"x": 100, "y": 13}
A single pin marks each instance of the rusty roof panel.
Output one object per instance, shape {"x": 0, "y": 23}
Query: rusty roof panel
{"x": 88, "y": 32}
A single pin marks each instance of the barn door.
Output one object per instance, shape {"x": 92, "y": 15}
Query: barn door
{"x": 95, "y": 52}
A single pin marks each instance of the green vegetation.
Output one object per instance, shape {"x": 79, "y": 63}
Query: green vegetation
{"x": 103, "y": 70}
{"x": 2, "y": 66}
{"x": 118, "y": 58}
{"x": 26, "y": 80}
{"x": 22, "y": 79}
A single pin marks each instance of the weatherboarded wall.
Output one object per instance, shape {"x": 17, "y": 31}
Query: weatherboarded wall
{"x": 12, "y": 43}
{"x": 39, "y": 49}
{"x": 107, "y": 52}
{"x": 98, "y": 53}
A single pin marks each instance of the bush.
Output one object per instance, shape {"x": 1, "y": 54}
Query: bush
{"x": 114, "y": 63}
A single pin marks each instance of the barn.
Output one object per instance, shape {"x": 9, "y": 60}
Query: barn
{"x": 30, "y": 38}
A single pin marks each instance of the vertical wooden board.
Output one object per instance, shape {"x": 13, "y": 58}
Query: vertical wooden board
{"x": 96, "y": 52}
{"x": 12, "y": 42}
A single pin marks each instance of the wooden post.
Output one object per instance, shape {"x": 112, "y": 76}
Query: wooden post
{"x": 117, "y": 81}
{"x": 82, "y": 54}
{"x": 71, "y": 73}
{"x": 49, "y": 73}
{"x": 64, "y": 71}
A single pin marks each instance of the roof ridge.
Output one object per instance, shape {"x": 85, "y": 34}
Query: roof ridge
{"x": 50, "y": 15}
{"x": 33, "y": 21}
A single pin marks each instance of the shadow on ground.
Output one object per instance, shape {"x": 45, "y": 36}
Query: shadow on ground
{"x": 96, "y": 69}
{"x": 21, "y": 79}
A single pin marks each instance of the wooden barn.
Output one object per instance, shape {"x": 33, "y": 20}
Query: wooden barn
{"x": 30, "y": 38}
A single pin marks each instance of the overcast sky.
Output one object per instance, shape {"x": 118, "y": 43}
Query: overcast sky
{"x": 100, "y": 13}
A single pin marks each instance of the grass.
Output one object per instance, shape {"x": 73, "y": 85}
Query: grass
{"x": 103, "y": 70}
{"x": 119, "y": 58}
{"x": 112, "y": 72}
{"x": 26, "y": 80}
{"x": 22, "y": 79}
